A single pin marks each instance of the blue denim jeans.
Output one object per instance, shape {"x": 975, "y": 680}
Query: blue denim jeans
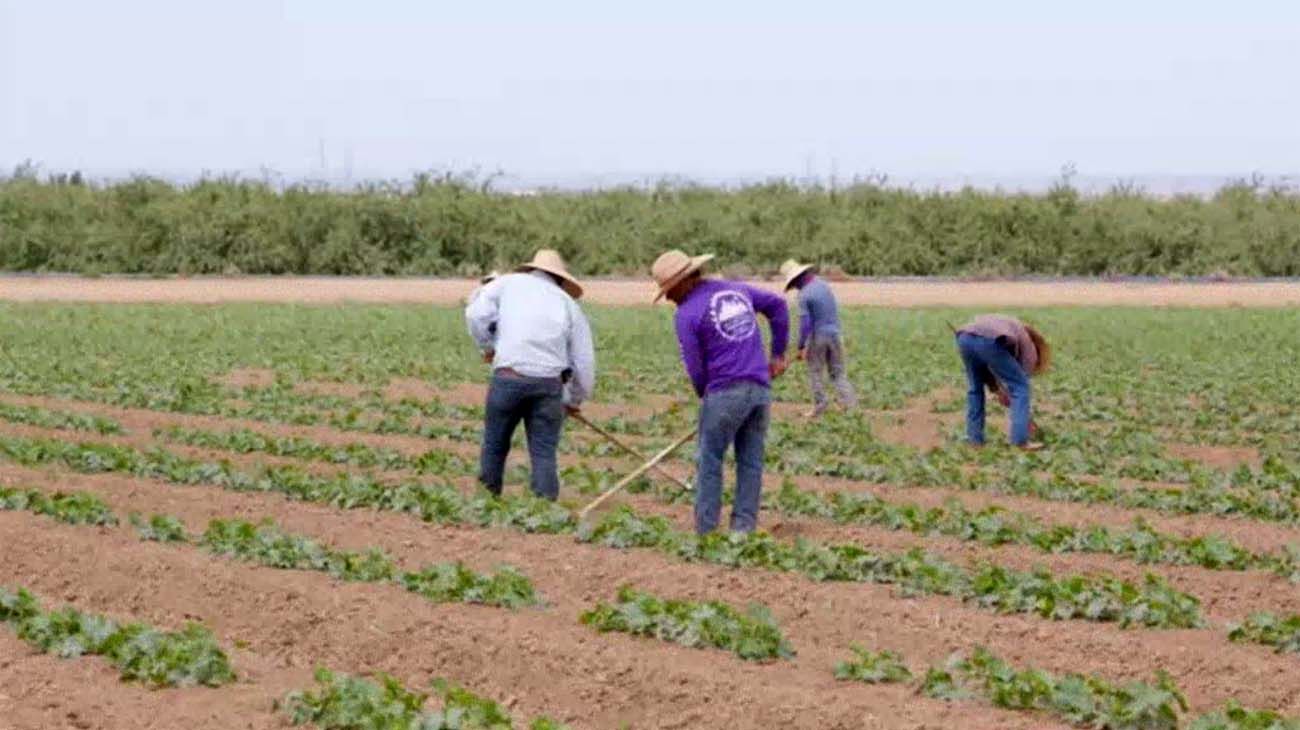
{"x": 537, "y": 402}
{"x": 735, "y": 416}
{"x": 988, "y": 360}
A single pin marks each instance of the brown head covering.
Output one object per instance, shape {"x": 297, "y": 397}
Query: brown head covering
{"x": 1044, "y": 350}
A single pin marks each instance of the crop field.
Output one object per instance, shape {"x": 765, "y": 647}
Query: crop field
{"x": 266, "y": 515}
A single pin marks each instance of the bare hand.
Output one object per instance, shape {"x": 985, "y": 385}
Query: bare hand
{"x": 1004, "y": 397}
{"x": 803, "y": 354}
{"x": 573, "y": 410}
{"x": 489, "y": 356}
{"x": 776, "y": 367}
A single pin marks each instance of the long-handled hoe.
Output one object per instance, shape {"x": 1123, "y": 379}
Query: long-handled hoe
{"x": 631, "y": 451}
{"x": 652, "y": 463}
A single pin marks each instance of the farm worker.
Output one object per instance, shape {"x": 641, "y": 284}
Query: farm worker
{"x": 819, "y": 335}
{"x": 1002, "y": 353}
{"x": 530, "y": 328}
{"x": 722, "y": 349}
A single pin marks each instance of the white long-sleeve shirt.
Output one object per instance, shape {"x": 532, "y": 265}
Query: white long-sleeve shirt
{"x": 540, "y": 331}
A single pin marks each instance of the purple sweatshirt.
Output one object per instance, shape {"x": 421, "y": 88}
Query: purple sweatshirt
{"x": 717, "y": 329}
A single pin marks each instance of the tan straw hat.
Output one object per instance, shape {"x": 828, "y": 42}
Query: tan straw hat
{"x": 672, "y": 267}
{"x": 550, "y": 261}
{"x": 792, "y": 270}
{"x": 489, "y": 277}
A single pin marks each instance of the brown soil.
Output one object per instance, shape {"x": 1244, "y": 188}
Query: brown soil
{"x": 325, "y": 388}
{"x": 248, "y": 378}
{"x": 1217, "y": 457}
{"x": 538, "y": 660}
{"x": 289, "y": 621}
{"x": 883, "y": 293}
{"x": 283, "y": 623}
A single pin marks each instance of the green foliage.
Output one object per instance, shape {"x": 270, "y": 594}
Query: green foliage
{"x": 1265, "y": 628}
{"x": 159, "y": 528}
{"x": 188, "y": 657}
{"x": 60, "y": 420}
{"x": 343, "y": 702}
{"x": 1096, "y": 598}
{"x": 751, "y": 635}
{"x": 454, "y": 224}
{"x": 163, "y": 659}
{"x": 246, "y": 441}
{"x": 462, "y": 708}
{"x": 991, "y": 525}
{"x": 453, "y": 582}
{"x": 1235, "y": 717}
{"x": 268, "y": 545}
{"x": 79, "y": 508}
{"x": 1099, "y": 599}
{"x": 546, "y": 723}
{"x": 434, "y": 503}
{"x": 1080, "y": 700}
{"x": 873, "y": 667}
{"x": 997, "y": 526}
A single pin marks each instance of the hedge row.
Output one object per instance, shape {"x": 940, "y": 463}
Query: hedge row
{"x": 448, "y": 226}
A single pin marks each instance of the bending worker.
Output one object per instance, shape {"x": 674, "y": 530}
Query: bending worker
{"x": 1001, "y": 353}
{"x": 819, "y": 336}
{"x": 722, "y": 349}
{"x": 529, "y": 326}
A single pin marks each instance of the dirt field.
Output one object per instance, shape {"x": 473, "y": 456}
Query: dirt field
{"x": 284, "y": 623}
{"x": 884, "y": 293}
{"x": 278, "y": 624}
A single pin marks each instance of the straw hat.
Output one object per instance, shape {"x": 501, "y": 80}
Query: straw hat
{"x": 489, "y": 277}
{"x": 1044, "y": 350}
{"x": 672, "y": 267}
{"x": 792, "y": 270}
{"x": 549, "y": 261}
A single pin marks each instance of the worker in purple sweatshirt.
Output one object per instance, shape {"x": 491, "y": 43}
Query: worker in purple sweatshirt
{"x": 722, "y": 349}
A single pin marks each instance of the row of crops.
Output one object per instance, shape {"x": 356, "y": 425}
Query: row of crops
{"x": 191, "y": 656}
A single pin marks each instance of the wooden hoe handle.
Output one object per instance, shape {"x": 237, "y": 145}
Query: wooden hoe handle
{"x": 619, "y": 443}
{"x": 639, "y": 471}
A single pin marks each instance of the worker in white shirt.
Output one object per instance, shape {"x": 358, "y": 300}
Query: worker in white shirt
{"x": 529, "y": 326}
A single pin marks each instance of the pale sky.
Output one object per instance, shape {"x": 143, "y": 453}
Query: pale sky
{"x": 573, "y": 89}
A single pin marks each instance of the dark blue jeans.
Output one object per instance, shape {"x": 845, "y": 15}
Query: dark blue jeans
{"x": 986, "y": 359}
{"x": 735, "y": 416}
{"x": 537, "y": 402}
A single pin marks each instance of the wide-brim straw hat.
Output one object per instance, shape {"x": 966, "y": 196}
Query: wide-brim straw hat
{"x": 671, "y": 268}
{"x": 1044, "y": 350}
{"x": 552, "y": 263}
{"x": 792, "y": 270}
{"x": 489, "y": 277}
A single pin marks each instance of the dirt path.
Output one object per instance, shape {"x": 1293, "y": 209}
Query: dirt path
{"x": 884, "y": 292}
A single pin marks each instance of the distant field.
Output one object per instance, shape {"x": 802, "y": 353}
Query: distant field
{"x": 304, "y": 480}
